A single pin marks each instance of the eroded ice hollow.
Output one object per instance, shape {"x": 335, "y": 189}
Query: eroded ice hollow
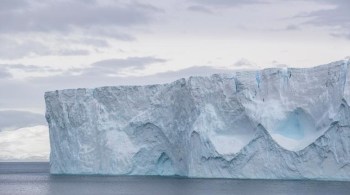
{"x": 282, "y": 123}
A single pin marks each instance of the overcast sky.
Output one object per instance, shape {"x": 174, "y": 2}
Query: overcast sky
{"x": 48, "y": 45}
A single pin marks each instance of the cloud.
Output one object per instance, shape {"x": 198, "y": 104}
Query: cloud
{"x": 21, "y": 94}
{"x": 11, "y": 49}
{"x": 229, "y": 3}
{"x": 4, "y": 73}
{"x": 29, "y": 28}
{"x": 244, "y": 63}
{"x": 30, "y": 68}
{"x": 73, "y": 52}
{"x": 345, "y": 35}
{"x": 134, "y": 62}
{"x": 277, "y": 64}
{"x": 199, "y": 8}
{"x": 65, "y": 16}
{"x": 113, "y": 66}
{"x": 13, "y": 119}
{"x": 336, "y": 17}
{"x": 292, "y": 27}
{"x": 93, "y": 42}
{"x": 7, "y": 5}
{"x": 108, "y": 32}
{"x": 25, "y": 144}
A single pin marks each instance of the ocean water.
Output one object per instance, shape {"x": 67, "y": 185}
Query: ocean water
{"x": 34, "y": 178}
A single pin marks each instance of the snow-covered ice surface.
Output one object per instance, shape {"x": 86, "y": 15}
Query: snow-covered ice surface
{"x": 279, "y": 123}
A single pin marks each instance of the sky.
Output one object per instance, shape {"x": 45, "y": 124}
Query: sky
{"x": 47, "y": 45}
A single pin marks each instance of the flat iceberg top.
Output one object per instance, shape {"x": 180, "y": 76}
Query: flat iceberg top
{"x": 204, "y": 126}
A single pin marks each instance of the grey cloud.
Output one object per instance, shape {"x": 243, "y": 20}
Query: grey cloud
{"x": 277, "y": 64}
{"x": 4, "y": 73}
{"x": 20, "y": 94}
{"x": 243, "y": 63}
{"x": 198, "y": 8}
{"x": 64, "y": 16}
{"x": 85, "y": 18}
{"x": 111, "y": 66}
{"x": 229, "y": 3}
{"x": 11, "y": 49}
{"x": 88, "y": 1}
{"x": 338, "y": 17}
{"x": 332, "y": 17}
{"x": 12, "y": 119}
{"x": 341, "y": 35}
{"x": 110, "y": 32}
{"x": 139, "y": 62}
{"x": 31, "y": 68}
{"x": 6, "y": 5}
{"x": 292, "y": 27}
{"x": 94, "y": 42}
{"x": 73, "y": 52}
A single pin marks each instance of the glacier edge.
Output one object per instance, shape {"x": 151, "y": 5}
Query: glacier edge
{"x": 224, "y": 126}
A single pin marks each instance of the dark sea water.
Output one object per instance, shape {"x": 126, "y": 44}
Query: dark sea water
{"x": 34, "y": 178}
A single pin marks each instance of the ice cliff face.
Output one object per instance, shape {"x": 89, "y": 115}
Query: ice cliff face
{"x": 275, "y": 123}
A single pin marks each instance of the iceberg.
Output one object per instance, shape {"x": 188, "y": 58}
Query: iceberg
{"x": 276, "y": 123}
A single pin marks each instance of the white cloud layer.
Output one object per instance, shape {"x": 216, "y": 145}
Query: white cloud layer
{"x": 25, "y": 144}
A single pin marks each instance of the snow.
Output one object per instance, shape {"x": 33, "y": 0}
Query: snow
{"x": 277, "y": 123}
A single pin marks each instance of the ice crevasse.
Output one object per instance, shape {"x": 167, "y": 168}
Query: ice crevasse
{"x": 277, "y": 123}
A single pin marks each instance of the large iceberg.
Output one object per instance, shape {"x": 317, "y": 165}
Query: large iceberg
{"x": 277, "y": 123}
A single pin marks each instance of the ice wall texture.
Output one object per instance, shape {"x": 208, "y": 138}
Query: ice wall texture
{"x": 275, "y": 123}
